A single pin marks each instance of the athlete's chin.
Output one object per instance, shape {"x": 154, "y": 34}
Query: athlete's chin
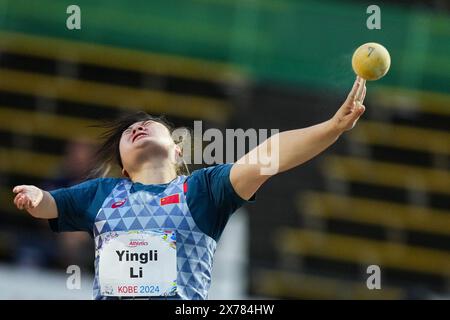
{"x": 150, "y": 144}
{"x": 146, "y": 142}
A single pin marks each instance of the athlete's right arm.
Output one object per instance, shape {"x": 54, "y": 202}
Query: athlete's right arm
{"x": 39, "y": 203}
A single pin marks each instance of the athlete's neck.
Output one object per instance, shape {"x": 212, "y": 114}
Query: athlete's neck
{"x": 153, "y": 173}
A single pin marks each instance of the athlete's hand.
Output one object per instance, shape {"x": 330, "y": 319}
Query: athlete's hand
{"x": 353, "y": 107}
{"x": 28, "y": 197}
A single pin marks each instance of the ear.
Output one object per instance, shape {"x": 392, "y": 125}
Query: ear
{"x": 178, "y": 151}
{"x": 125, "y": 173}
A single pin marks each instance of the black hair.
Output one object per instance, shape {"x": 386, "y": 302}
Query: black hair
{"x": 108, "y": 153}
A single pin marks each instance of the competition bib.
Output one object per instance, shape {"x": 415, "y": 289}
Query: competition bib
{"x": 138, "y": 263}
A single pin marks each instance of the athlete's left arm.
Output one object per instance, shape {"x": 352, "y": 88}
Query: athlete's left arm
{"x": 289, "y": 149}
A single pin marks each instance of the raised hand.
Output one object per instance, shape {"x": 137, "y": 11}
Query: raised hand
{"x": 353, "y": 107}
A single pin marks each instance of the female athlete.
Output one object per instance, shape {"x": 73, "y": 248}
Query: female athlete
{"x": 156, "y": 229}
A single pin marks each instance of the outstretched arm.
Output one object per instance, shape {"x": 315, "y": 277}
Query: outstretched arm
{"x": 291, "y": 148}
{"x": 38, "y": 203}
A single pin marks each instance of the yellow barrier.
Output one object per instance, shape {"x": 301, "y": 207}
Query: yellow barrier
{"x": 387, "y": 174}
{"x": 363, "y": 251}
{"x": 156, "y": 102}
{"x": 400, "y": 136}
{"x": 371, "y": 211}
{"x": 303, "y": 286}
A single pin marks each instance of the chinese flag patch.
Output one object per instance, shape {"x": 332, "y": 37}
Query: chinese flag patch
{"x": 174, "y": 198}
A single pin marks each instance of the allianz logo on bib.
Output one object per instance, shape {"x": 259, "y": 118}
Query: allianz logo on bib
{"x": 136, "y": 243}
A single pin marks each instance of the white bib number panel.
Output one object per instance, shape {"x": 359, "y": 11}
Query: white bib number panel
{"x": 138, "y": 264}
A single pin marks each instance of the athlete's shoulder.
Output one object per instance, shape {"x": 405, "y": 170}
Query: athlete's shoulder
{"x": 206, "y": 178}
{"x": 98, "y": 182}
{"x": 221, "y": 169}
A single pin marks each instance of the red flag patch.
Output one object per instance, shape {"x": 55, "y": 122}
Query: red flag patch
{"x": 174, "y": 198}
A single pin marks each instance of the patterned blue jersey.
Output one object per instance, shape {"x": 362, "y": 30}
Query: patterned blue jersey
{"x": 199, "y": 216}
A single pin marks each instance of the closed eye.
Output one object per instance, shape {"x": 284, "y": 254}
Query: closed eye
{"x": 127, "y": 131}
{"x": 144, "y": 123}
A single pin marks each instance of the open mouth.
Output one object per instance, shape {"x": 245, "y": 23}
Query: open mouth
{"x": 139, "y": 135}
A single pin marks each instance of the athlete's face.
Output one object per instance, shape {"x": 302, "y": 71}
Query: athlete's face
{"x": 144, "y": 141}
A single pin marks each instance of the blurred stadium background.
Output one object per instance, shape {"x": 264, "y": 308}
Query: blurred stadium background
{"x": 380, "y": 195}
